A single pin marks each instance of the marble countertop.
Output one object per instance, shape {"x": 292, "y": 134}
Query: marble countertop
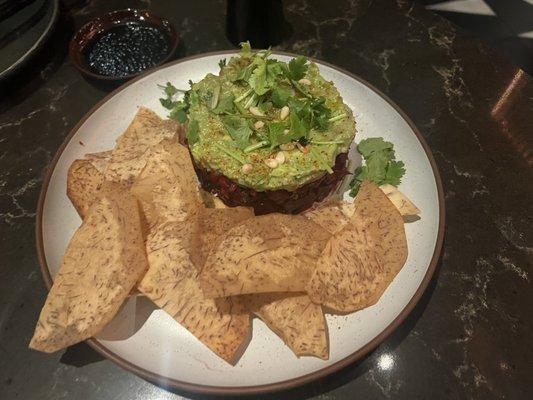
{"x": 471, "y": 334}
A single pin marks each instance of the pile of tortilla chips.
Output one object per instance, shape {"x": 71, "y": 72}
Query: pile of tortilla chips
{"x": 147, "y": 225}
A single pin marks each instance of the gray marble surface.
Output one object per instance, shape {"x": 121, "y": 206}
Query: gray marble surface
{"x": 471, "y": 334}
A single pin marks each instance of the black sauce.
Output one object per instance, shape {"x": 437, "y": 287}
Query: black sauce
{"x": 127, "y": 49}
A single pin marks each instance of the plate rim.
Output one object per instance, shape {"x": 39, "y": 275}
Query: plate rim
{"x": 270, "y": 387}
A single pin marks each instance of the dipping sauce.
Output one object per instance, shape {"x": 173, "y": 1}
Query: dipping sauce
{"x": 127, "y": 49}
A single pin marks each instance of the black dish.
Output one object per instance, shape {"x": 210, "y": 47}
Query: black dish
{"x": 122, "y": 44}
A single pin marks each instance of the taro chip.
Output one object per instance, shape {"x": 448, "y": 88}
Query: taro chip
{"x": 99, "y": 160}
{"x": 361, "y": 260}
{"x": 211, "y": 226}
{"x": 330, "y": 215}
{"x": 83, "y": 183}
{"x": 295, "y": 319}
{"x": 129, "y": 156}
{"x": 167, "y": 188}
{"x": 103, "y": 261}
{"x": 171, "y": 282}
{"x": 405, "y": 206}
{"x": 269, "y": 253}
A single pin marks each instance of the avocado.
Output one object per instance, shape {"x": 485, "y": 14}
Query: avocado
{"x": 238, "y": 125}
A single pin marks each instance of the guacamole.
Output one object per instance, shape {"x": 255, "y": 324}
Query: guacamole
{"x": 266, "y": 124}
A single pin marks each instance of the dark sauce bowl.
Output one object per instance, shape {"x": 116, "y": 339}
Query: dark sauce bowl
{"x": 107, "y": 26}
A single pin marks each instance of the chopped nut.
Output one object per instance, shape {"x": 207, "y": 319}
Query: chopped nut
{"x": 271, "y": 162}
{"x": 259, "y": 124}
{"x": 280, "y": 157}
{"x": 284, "y": 113}
{"x": 287, "y": 146}
{"x": 246, "y": 168}
{"x": 303, "y": 149}
{"x": 256, "y": 111}
{"x": 304, "y": 81}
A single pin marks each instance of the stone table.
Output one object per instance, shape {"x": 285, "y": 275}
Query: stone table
{"x": 469, "y": 337}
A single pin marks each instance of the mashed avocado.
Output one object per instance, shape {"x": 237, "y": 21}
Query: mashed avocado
{"x": 266, "y": 124}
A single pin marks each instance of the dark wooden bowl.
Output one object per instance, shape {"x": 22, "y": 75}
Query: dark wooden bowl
{"x": 96, "y": 27}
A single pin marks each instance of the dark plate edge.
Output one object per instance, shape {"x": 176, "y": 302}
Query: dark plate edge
{"x": 36, "y": 46}
{"x": 273, "y": 387}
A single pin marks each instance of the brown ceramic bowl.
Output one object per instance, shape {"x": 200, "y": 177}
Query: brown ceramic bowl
{"x": 85, "y": 36}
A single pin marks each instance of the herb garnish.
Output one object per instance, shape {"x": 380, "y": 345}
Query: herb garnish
{"x": 380, "y": 164}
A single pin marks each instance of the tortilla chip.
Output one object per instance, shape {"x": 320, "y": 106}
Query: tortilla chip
{"x": 362, "y": 259}
{"x": 129, "y": 156}
{"x": 269, "y": 253}
{"x": 329, "y": 215}
{"x": 171, "y": 282}
{"x": 212, "y": 224}
{"x": 167, "y": 188}
{"x": 405, "y": 206}
{"x": 295, "y": 319}
{"x": 103, "y": 261}
{"x": 83, "y": 183}
{"x": 99, "y": 160}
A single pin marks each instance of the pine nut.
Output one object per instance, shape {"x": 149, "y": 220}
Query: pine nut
{"x": 287, "y": 146}
{"x": 255, "y": 111}
{"x": 271, "y": 162}
{"x": 246, "y": 168}
{"x": 280, "y": 158}
{"x": 304, "y": 81}
{"x": 284, "y": 113}
{"x": 259, "y": 124}
{"x": 303, "y": 149}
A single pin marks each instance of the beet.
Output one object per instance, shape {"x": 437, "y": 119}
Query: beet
{"x": 269, "y": 201}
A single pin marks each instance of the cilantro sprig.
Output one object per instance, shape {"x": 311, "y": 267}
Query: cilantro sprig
{"x": 178, "y": 109}
{"x": 381, "y": 165}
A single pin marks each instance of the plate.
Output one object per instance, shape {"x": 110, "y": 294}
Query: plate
{"x": 24, "y": 31}
{"x": 150, "y": 343}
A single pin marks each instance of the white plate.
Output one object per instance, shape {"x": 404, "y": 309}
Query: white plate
{"x": 150, "y": 343}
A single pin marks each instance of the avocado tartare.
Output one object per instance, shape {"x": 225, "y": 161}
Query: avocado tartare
{"x": 266, "y": 131}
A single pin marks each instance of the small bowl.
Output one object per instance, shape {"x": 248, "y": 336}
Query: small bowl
{"x": 85, "y": 36}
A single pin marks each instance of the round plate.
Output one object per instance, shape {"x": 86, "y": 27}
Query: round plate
{"x": 150, "y": 343}
{"x": 23, "y": 33}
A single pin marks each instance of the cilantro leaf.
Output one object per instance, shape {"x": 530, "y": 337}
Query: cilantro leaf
{"x": 298, "y": 68}
{"x": 278, "y": 133}
{"x": 299, "y": 127}
{"x": 179, "y": 114}
{"x": 395, "y": 171}
{"x": 258, "y": 79}
{"x": 380, "y": 165}
{"x": 280, "y": 96}
{"x": 193, "y": 132}
{"x": 169, "y": 89}
{"x": 368, "y": 146}
{"x": 246, "y": 50}
{"x": 239, "y": 130}
{"x": 225, "y": 104}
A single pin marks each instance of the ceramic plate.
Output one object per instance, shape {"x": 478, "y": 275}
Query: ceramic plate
{"x": 150, "y": 343}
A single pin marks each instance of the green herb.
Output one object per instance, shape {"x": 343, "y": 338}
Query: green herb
{"x": 222, "y": 63}
{"x": 246, "y": 50}
{"x": 178, "y": 109}
{"x": 225, "y": 104}
{"x": 258, "y": 79}
{"x": 297, "y": 68}
{"x": 280, "y": 96}
{"x": 193, "y": 132}
{"x": 277, "y": 134}
{"x": 239, "y": 130}
{"x": 299, "y": 127}
{"x": 256, "y": 146}
{"x": 380, "y": 164}
{"x": 230, "y": 152}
